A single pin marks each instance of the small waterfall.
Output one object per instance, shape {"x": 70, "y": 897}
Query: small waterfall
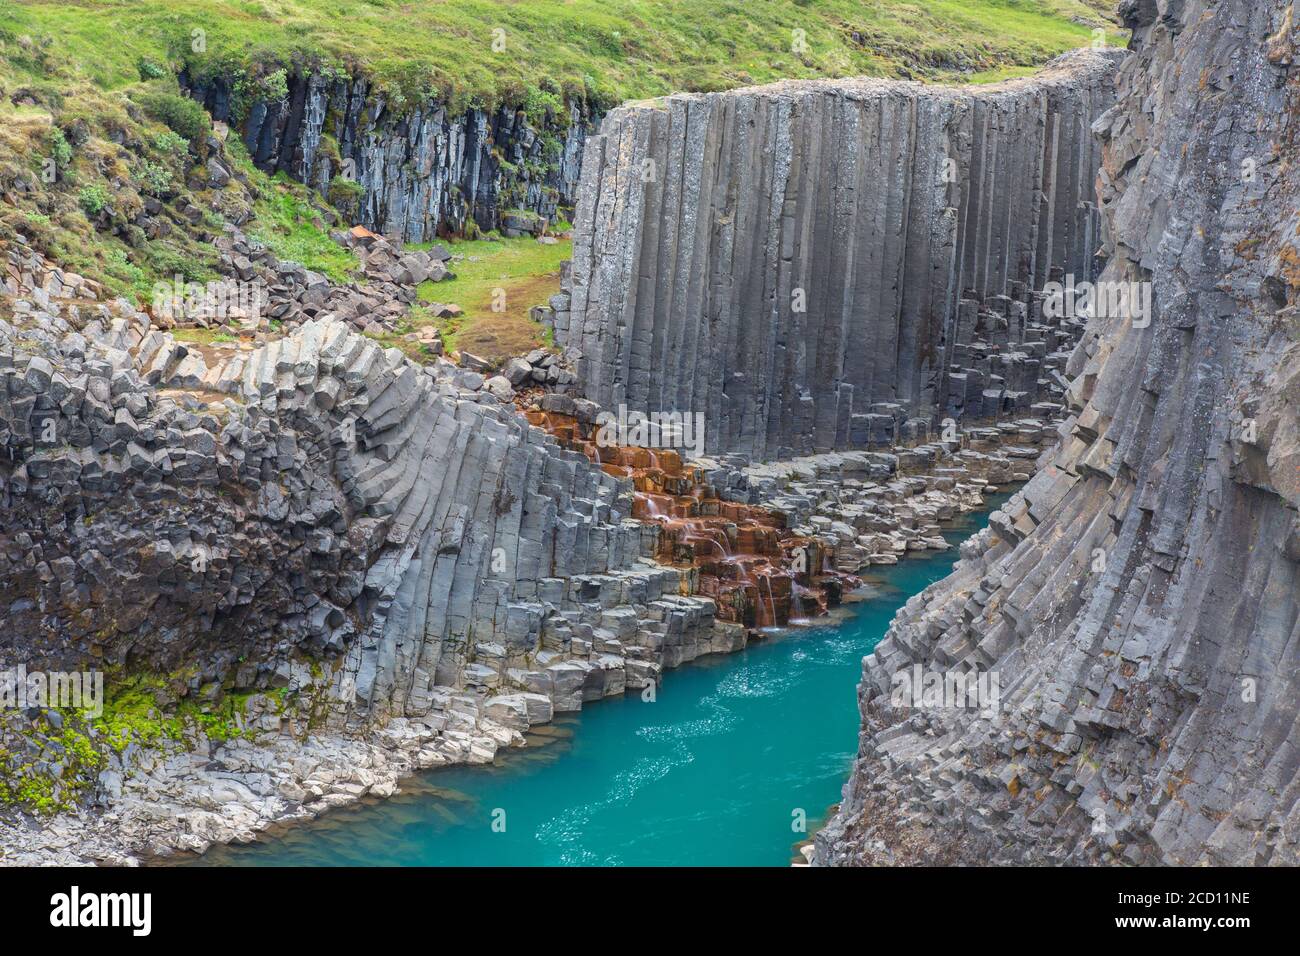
{"x": 731, "y": 544}
{"x": 771, "y": 601}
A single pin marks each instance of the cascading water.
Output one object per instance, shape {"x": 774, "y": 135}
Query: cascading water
{"x": 744, "y": 553}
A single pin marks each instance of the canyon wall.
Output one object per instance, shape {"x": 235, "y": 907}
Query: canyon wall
{"x": 422, "y": 171}
{"x": 318, "y": 512}
{"x": 810, "y": 264}
{"x": 1140, "y": 599}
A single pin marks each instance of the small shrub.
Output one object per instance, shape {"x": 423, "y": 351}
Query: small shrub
{"x": 93, "y": 199}
{"x": 170, "y": 143}
{"x": 60, "y": 148}
{"x": 179, "y": 113}
{"x": 149, "y": 70}
{"x": 538, "y": 104}
{"x": 154, "y": 178}
{"x": 119, "y": 266}
{"x": 275, "y": 86}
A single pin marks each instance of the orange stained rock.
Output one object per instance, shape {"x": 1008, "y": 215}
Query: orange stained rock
{"x": 759, "y": 573}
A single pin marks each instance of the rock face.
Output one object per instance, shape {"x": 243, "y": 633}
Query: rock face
{"x": 873, "y": 507}
{"x": 290, "y": 294}
{"x": 421, "y": 171}
{"x": 316, "y": 499}
{"x": 1139, "y": 601}
{"x": 787, "y": 258}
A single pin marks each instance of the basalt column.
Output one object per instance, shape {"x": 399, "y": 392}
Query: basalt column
{"x": 1139, "y": 602}
{"x": 809, "y": 264}
{"x": 422, "y": 170}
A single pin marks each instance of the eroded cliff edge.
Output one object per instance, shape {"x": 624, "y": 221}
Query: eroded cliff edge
{"x": 420, "y": 172}
{"x": 1139, "y": 600}
{"x": 788, "y": 259}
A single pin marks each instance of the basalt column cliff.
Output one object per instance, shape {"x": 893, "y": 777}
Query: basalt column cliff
{"x": 1139, "y": 600}
{"x": 809, "y": 264}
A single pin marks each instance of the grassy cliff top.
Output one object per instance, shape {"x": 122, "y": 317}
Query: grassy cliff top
{"x": 105, "y": 165}
{"x": 487, "y": 51}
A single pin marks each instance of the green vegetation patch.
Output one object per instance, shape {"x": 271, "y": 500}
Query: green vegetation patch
{"x": 497, "y": 282}
{"x": 292, "y": 222}
{"x": 537, "y": 53}
{"x": 139, "y": 712}
{"x": 47, "y": 768}
{"x": 92, "y": 180}
{"x": 115, "y": 185}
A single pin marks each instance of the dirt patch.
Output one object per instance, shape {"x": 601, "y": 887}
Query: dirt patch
{"x": 496, "y": 336}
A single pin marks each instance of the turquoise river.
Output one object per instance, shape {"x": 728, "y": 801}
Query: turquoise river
{"x": 715, "y": 771}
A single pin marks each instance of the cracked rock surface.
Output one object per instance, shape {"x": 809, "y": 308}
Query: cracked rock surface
{"x": 1139, "y": 599}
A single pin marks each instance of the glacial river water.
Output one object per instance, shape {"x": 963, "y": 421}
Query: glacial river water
{"x": 714, "y": 771}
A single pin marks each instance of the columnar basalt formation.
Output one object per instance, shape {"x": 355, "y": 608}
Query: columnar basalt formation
{"x": 1140, "y": 601}
{"x": 423, "y": 171}
{"x": 745, "y": 558}
{"x": 805, "y": 263}
{"x": 317, "y": 498}
{"x": 381, "y": 556}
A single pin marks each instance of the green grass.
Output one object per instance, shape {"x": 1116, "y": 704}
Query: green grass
{"x": 526, "y": 273}
{"x": 76, "y": 171}
{"x": 291, "y": 226}
{"x": 202, "y": 336}
{"x": 107, "y": 109}
{"x": 603, "y": 50}
{"x": 112, "y": 157}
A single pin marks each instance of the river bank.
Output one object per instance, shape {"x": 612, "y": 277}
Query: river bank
{"x": 720, "y": 768}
